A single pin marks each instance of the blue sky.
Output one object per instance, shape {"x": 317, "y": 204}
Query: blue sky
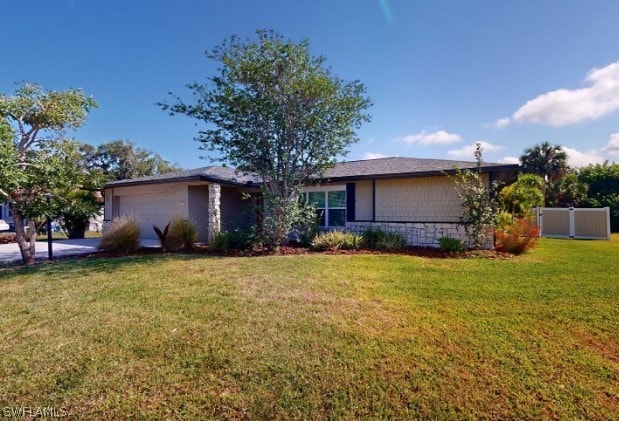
{"x": 442, "y": 74}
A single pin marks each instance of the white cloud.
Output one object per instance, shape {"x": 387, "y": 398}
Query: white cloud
{"x": 468, "y": 151}
{"x": 613, "y": 145}
{"x": 374, "y": 155}
{"x": 440, "y": 137}
{"x": 509, "y": 160}
{"x": 577, "y": 159}
{"x": 563, "y": 106}
{"x": 501, "y": 122}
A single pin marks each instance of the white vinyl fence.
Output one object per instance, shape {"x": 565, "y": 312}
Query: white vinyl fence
{"x": 580, "y": 223}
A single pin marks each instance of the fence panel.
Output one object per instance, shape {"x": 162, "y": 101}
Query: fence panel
{"x": 580, "y": 223}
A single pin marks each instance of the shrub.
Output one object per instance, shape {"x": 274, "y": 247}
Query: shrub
{"x": 478, "y": 200}
{"x": 517, "y": 237}
{"x": 391, "y": 241}
{"x": 306, "y": 233}
{"x": 239, "y": 239}
{"x": 378, "y": 239}
{"x": 337, "y": 240}
{"x": 371, "y": 237}
{"x": 451, "y": 244}
{"x": 182, "y": 234}
{"x": 221, "y": 241}
{"x": 123, "y": 236}
{"x": 243, "y": 239}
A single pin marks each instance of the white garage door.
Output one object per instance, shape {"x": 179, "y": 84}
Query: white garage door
{"x": 150, "y": 209}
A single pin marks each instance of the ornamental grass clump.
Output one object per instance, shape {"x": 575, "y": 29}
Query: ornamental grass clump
{"x": 182, "y": 234}
{"x": 337, "y": 240}
{"x": 123, "y": 235}
{"x": 377, "y": 239}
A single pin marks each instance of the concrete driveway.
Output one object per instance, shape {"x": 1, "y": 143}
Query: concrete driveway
{"x": 9, "y": 253}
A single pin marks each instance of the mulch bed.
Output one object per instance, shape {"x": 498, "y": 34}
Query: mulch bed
{"x": 427, "y": 252}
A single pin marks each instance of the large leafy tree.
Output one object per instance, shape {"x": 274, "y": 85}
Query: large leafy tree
{"x": 275, "y": 110}
{"x": 34, "y": 160}
{"x": 603, "y": 182}
{"x": 123, "y": 159}
{"x": 546, "y": 160}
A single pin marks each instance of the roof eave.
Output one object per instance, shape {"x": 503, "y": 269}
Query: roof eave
{"x": 452, "y": 171}
{"x": 197, "y": 177}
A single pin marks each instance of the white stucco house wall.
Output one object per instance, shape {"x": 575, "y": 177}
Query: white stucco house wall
{"x": 412, "y": 196}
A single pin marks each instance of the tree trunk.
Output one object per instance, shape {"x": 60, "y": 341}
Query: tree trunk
{"x": 26, "y": 245}
{"x": 76, "y": 228}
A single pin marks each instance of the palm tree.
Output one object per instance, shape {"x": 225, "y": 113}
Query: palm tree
{"x": 546, "y": 160}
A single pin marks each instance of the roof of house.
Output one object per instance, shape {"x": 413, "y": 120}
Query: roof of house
{"x": 363, "y": 169}
{"x": 213, "y": 173}
{"x": 404, "y": 167}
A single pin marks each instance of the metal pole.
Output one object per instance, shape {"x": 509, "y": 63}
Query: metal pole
{"x": 50, "y": 254}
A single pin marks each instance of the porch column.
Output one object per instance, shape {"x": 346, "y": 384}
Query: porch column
{"x": 214, "y": 210}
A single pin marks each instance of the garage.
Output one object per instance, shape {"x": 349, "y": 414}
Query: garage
{"x": 151, "y": 209}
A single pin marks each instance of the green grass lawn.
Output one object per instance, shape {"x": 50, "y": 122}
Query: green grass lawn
{"x": 317, "y": 336}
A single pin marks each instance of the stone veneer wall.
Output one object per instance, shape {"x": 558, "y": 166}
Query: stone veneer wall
{"x": 417, "y": 233}
{"x": 214, "y": 211}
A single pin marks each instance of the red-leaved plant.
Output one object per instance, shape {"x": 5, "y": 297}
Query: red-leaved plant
{"x": 517, "y": 237}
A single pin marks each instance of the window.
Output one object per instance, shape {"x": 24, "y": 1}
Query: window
{"x": 330, "y": 207}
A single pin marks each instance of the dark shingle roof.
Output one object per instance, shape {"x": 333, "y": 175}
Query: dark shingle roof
{"x": 371, "y": 168}
{"x": 399, "y": 166}
{"x": 214, "y": 173}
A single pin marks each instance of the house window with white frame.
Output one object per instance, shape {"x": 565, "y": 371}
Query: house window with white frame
{"x": 330, "y": 206}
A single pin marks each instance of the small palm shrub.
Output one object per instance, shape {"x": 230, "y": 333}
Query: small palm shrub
{"x": 162, "y": 235}
{"x": 182, "y": 234}
{"x": 519, "y": 236}
{"x": 377, "y": 239}
{"x": 337, "y": 240}
{"x": 123, "y": 236}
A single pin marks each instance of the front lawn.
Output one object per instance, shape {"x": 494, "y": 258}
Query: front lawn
{"x": 317, "y": 336}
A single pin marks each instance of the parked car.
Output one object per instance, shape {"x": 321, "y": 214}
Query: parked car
{"x": 4, "y": 226}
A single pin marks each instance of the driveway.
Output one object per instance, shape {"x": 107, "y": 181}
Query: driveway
{"x": 9, "y": 253}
